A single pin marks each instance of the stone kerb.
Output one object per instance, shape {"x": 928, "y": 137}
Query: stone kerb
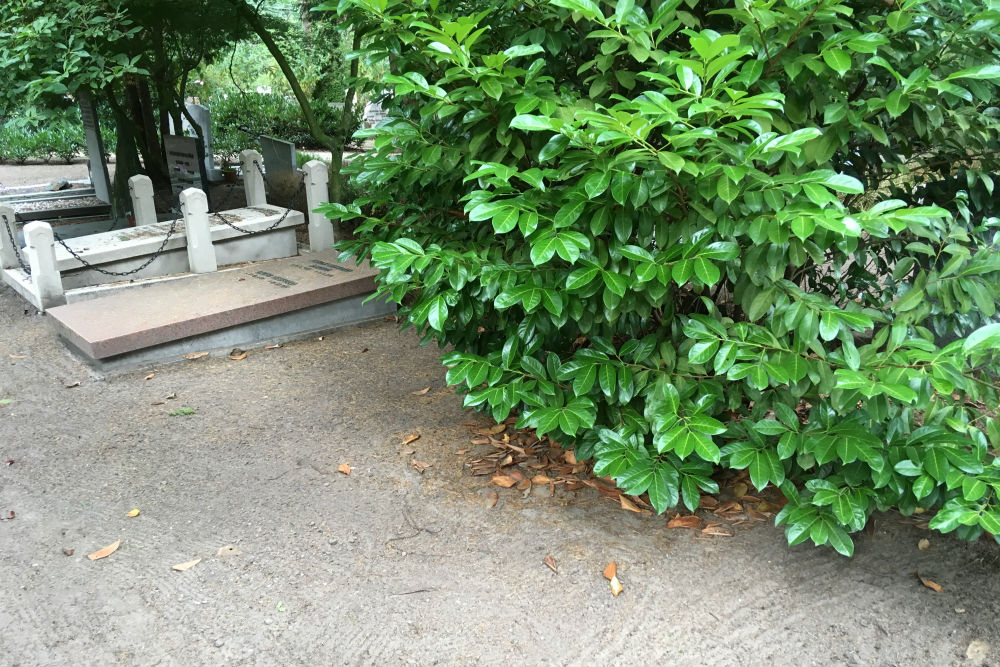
{"x": 321, "y": 236}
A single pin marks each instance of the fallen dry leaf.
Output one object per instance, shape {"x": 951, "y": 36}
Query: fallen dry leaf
{"x": 181, "y": 567}
{"x": 413, "y": 437}
{"x": 106, "y": 551}
{"x": 611, "y": 570}
{"x": 72, "y": 384}
{"x": 157, "y": 403}
{"x": 616, "y": 586}
{"x": 407, "y": 451}
{"x": 719, "y": 529}
{"x": 273, "y": 347}
{"x": 421, "y": 392}
{"x": 688, "y": 521}
{"x": 10, "y": 516}
{"x": 740, "y": 489}
{"x": 238, "y": 357}
{"x": 459, "y": 452}
{"x": 132, "y": 514}
{"x": 933, "y": 585}
{"x": 708, "y": 502}
{"x": 494, "y": 498}
{"x": 420, "y": 466}
{"x": 628, "y": 504}
{"x": 344, "y": 468}
{"x": 150, "y": 376}
{"x": 924, "y": 544}
{"x": 551, "y": 562}
{"x": 541, "y": 479}
{"x": 16, "y": 356}
{"x": 171, "y": 397}
{"x": 68, "y": 552}
{"x": 569, "y": 457}
{"x": 195, "y": 355}
{"x": 504, "y": 481}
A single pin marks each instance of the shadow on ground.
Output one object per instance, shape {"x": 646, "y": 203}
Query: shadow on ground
{"x": 388, "y": 566}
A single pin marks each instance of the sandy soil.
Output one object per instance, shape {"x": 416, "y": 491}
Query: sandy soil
{"x": 388, "y": 566}
{"x": 14, "y": 176}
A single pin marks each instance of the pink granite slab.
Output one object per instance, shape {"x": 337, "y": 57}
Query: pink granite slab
{"x": 169, "y": 311}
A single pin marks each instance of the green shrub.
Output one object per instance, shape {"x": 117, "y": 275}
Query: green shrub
{"x": 239, "y": 119}
{"x": 684, "y": 235}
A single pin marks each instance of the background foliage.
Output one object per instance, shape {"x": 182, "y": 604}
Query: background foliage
{"x": 684, "y": 234}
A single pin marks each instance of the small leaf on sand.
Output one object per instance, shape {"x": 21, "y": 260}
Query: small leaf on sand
{"x": 689, "y": 521}
{"x": 16, "y": 356}
{"x": 413, "y": 437}
{"x": 551, "y": 563}
{"x": 499, "y": 428}
{"x": 132, "y": 514}
{"x": 195, "y": 355}
{"x": 504, "y": 481}
{"x": 541, "y": 479}
{"x": 616, "y": 586}
{"x": 70, "y": 385}
{"x": 273, "y": 347}
{"x": 106, "y": 551}
{"x": 344, "y": 468}
{"x": 933, "y": 585}
{"x": 421, "y": 392}
{"x": 611, "y": 570}
{"x": 68, "y": 552}
{"x": 708, "y": 502}
{"x": 420, "y": 466}
{"x": 181, "y": 567}
{"x": 494, "y": 497}
{"x": 924, "y": 544}
{"x": 238, "y": 357}
{"x": 740, "y": 489}
{"x": 150, "y": 376}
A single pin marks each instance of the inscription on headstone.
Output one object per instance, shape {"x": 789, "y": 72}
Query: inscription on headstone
{"x": 97, "y": 165}
{"x": 276, "y": 280}
{"x": 323, "y": 268}
{"x": 184, "y": 163}
{"x": 203, "y": 118}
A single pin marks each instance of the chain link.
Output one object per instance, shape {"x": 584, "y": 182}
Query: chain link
{"x": 14, "y": 244}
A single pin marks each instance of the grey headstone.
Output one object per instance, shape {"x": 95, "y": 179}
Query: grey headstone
{"x": 184, "y": 163}
{"x": 203, "y": 117}
{"x": 279, "y": 157}
{"x": 97, "y": 166}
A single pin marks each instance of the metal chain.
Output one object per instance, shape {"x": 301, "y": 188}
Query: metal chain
{"x": 152, "y": 258}
{"x": 14, "y": 244}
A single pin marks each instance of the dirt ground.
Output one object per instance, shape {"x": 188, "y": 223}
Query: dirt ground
{"x": 14, "y": 176}
{"x": 303, "y": 565}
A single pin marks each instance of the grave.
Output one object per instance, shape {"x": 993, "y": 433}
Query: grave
{"x": 165, "y": 294}
{"x": 258, "y": 304}
{"x": 282, "y": 172}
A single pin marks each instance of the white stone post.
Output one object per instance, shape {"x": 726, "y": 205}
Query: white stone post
{"x": 140, "y": 189}
{"x": 41, "y": 250}
{"x": 201, "y": 253}
{"x": 317, "y": 192}
{"x": 251, "y": 163}
{"x": 8, "y": 253}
